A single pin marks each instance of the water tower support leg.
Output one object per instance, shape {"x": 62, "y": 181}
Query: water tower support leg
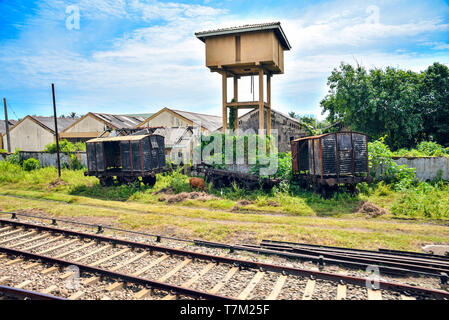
{"x": 225, "y": 100}
{"x": 261, "y": 104}
{"x": 269, "y": 104}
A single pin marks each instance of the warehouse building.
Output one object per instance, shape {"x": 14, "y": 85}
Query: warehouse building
{"x": 171, "y": 118}
{"x": 93, "y": 125}
{"x": 33, "y": 133}
{"x": 3, "y": 131}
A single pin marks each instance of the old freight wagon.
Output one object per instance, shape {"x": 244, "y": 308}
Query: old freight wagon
{"x": 329, "y": 161}
{"x": 126, "y": 159}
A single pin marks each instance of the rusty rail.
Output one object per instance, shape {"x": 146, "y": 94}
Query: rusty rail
{"x": 385, "y": 285}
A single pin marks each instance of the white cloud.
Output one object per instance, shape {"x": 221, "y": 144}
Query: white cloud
{"x": 163, "y": 64}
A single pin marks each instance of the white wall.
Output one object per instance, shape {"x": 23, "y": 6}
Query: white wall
{"x": 88, "y": 124}
{"x": 166, "y": 119}
{"x": 29, "y": 136}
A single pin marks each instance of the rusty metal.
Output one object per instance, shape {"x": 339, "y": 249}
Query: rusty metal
{"x": 238, "y": 262}
{"x": 27, "y": 294}
{"x": 340, "y": 163}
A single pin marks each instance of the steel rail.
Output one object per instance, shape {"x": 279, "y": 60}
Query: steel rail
{"x": 117, "y": 275}
{"x": 21, "y": 293}
{"x": 100, "y": 228}
{"x": 380, "y": 250}
{"x": 191, "y": 254}
{"x": 418, "y": 265}
{"x": 374, "y": 254}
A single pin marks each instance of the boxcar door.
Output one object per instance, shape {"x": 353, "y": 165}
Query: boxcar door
{"x": 99, "y": 150}
{"x": 294, "y": 146}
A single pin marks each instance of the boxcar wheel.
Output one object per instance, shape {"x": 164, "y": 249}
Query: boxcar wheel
{"x": 106, "y": 181}
{"x": 149, "y": 181}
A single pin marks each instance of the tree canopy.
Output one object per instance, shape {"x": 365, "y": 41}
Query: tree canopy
{"x": 406, "y": 106}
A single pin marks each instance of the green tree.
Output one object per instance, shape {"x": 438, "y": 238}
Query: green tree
{"x": 434, "y": 103}
{"x": 376, "y": 102}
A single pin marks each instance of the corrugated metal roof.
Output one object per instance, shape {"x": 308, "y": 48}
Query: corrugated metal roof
{"x": 3, "y": 125}
{"x": 49, "y": 122}
{"x": 120, "y": 121}
{"x": 207, "y": 121}
{"x": 326, "y": 134}
{"x": 276, "y": 26}
{"x": 173, "y": 135}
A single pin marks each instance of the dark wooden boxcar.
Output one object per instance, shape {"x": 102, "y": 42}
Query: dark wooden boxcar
{"x": 126, "y": 158}
{"x": 327, "y": 161}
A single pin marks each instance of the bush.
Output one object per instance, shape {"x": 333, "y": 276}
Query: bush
{"x": 14, "y": 158}
{"x": 383, "y": 167}
{"x": 31, "y": 164}
{"x": 65, "y": 147}
{"x": 178, "y": 181}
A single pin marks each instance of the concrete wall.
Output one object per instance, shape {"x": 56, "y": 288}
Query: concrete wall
{"x": 29, "y": 136}
{"x": 427, "y": 168}
{"x": 50, "y": 159}
{"x": 87, "y": 127}
{"x": 286, "y": 127}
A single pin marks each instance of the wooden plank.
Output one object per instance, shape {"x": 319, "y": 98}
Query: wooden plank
{"x": 11, "y": 262}
{"x": 192, "y": 280}
{"x": 374, "y": 294}
{"x": 34, "y": 246}
{"x": 251, "y": 285}
{"x": 18, "y": 237}
{"x": 58, "y": 246}
{"x": 142, "y": 293}
{"x": 91, "y": 280}
{"x": 308, "y": 292}
{"x": 92, "y": 253}
{"x": 49, "y": 270}
{"x": 115, "y": 286}
{"x": 115, "y": 255}
{"x": 4, "y": 279}
{"x": 50, "y": 289}
{"x": 227, "y": 277}
{"x": 277, "y": 288}
{"x": 118, "y": 285}
{"x": 11, "y": 233}
{"x": 181, "y": 265}
{"x": 151, "y": 265}
{"x": 77, "y": 295}
{"x": 404, "y": 297}
{"x": 65, "y": 254}
{"x": 18, "y": 244}
{"x": 5, "y": 229}
{"x": 341, "y": 292}
{"x": 96, "y": 263}
{"x": 139, "y": 256}
{"x": 24, "y": 284}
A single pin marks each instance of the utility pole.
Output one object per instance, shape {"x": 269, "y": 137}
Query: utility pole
{"x": 8, "y": 140}
{"x": 56, "y": 129}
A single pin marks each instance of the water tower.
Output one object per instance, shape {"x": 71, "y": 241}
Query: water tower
{"x": 250, "y": 50}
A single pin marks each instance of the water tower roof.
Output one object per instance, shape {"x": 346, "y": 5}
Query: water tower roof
{"x": 275, "y": 26}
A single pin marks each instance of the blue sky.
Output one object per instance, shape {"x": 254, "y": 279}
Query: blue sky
{"x": 137, "y": 56}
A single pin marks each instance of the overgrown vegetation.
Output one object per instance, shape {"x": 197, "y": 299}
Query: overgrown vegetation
{"x": 69, "y": 149}
{"x": 66, "y": 147}
{"x": 409, "y": 107}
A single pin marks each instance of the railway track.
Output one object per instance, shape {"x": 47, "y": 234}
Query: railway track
{"x": 7, "y": 293}
{"x": 52, "y": 255}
